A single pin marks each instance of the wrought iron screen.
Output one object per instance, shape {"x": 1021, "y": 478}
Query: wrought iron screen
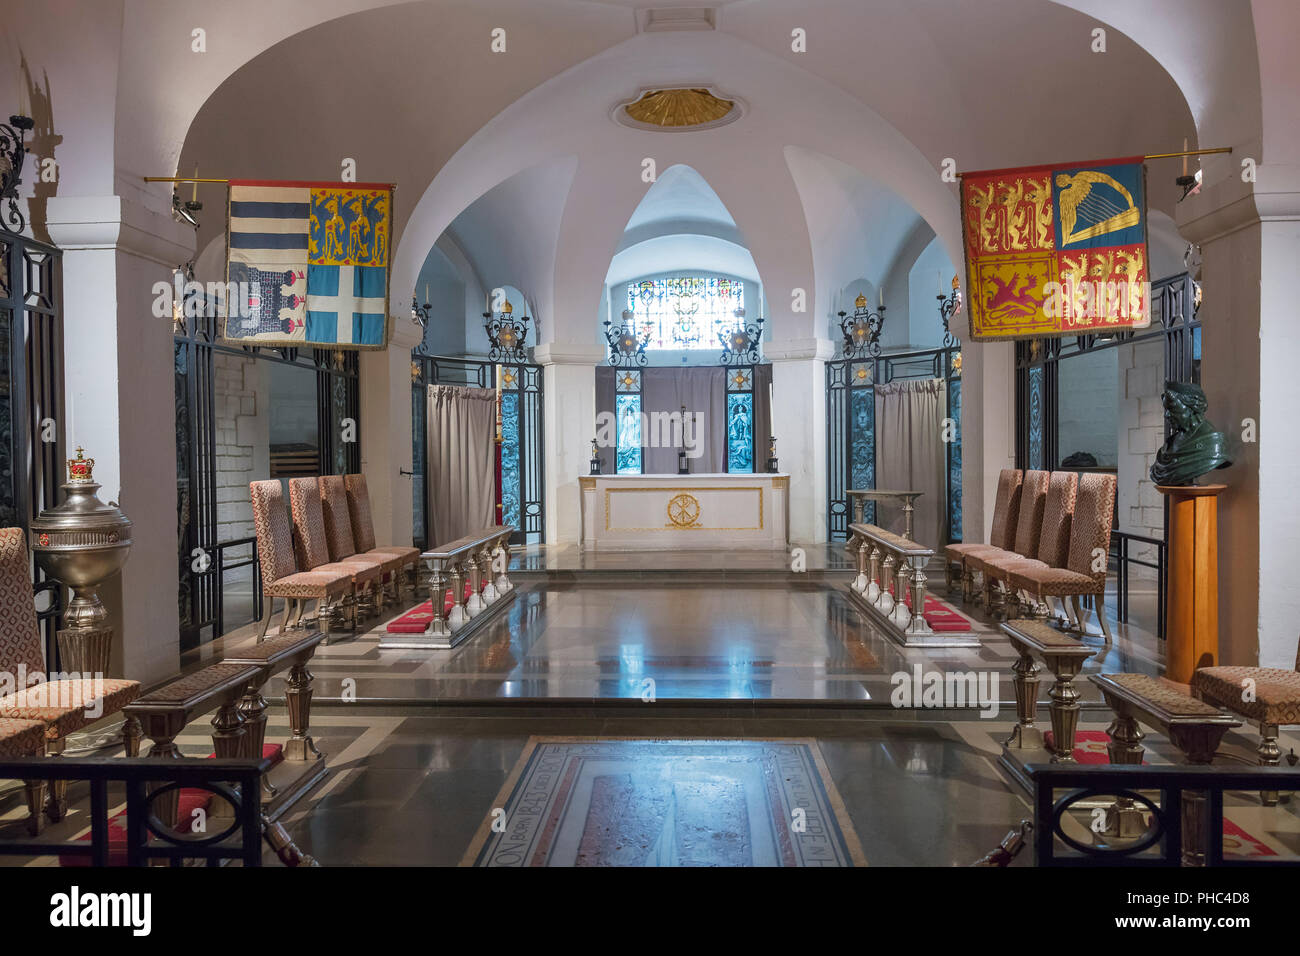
{"x": 851, "y": 428}
{"x": 32, "y": 448}
{"x": 1176, "y": 323}
{"x": 522, "y": 487}
{"x": 203, "y": 559}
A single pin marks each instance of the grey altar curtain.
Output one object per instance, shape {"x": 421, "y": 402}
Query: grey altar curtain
{"x": 462, "y": 466}
{"x": 910, "y": 456}
{"x": 605, "y": 403}
{"x": 762, "y": 416}
{"x": 704, "y": 393}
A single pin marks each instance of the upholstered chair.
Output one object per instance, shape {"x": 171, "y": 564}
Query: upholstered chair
{"x": 1053, "y": 540}
{"x": 1002, "y": 537}
{"x": 363, "y": 528}
{"x": 338, "y": 531}
{"x": 280, "y": 575}
{"x": 311, "y": 547}
{"x": 1029, "y": 527}
{"x": 1274, "y": 702}
{"x": 1094, "y": 514}
{"x": 61, "y": 706}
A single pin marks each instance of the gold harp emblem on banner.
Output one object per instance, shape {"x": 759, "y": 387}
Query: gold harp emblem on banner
{"x": 1093, "y": 213}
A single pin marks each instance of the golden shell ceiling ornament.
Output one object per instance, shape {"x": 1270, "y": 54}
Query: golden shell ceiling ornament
{"x": 678, "y": 109}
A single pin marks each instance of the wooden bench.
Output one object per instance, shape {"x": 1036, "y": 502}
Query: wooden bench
{"x": 291, "y": 650}
{"x": 1193, "y": 726}
{"x": 163, "y": 713}
{"x": 886, "y": 559}
{"x": 1064, "y": 657}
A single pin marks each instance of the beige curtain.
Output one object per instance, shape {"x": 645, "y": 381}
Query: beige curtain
{"x": 910, "y": 456}
{"x": 704, "y": 393}
{"x": 462, "y": 466}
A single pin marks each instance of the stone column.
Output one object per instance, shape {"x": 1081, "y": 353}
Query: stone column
{"x": 569, "y": 421}
{"x": 385, "y": 428}
{"x": 121, "y": 402}
{"x": 799, "y": 424}
{"x": 1250, "y": 244}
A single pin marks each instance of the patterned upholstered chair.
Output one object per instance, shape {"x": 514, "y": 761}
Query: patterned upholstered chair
{"x": 26, "y": 738}
{"x": 1029, "y": 527}
{"x": 1094, "y": 513}
{"x": 338, "y": 531}
{"x": 1002, "y": 537}
{"x": 363, "y": 528}
{"x": 280, "y": 575}
{"x": 1053, "y": 540}
{"x": 311, "y": 545}
{"x": 62, "y": 706}
{"x": 1274, "y": 703}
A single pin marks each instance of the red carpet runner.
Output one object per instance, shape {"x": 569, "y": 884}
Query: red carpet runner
{"x": 417, "y": 618}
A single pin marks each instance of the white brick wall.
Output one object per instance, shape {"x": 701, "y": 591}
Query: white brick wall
{"x": 242, "y": 444}
{"x": 1141, "y": 430}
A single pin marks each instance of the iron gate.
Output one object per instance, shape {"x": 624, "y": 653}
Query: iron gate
{"x": 522, "y": 487}
{"x": 851, "y": 428}
{"x": 203, "y": 559}
{"x": 31, "y": 397}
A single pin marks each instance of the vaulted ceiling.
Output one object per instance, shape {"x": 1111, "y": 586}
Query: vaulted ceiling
{"x": 834, "y": 163}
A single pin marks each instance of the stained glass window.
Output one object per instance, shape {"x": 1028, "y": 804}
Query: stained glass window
{"x": 740, "y": 431}
{"x": 862, "y": 444}
{"x": 510, "y": 456}
{"x": 685, "y": 312}
{"x": 627, "y": 413}
{"x": 1036, "y": 417}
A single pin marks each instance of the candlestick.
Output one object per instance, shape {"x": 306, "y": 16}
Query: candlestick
{"x": 880, "y": 296}
{"x": 194, "y": 195}
{"x": 1184, "y": 156}
{"x": 426, "y": 293}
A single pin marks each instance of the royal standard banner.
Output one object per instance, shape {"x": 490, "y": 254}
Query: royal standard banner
{"x": 1056, "y": 250}
{"x": 307, "y": 264}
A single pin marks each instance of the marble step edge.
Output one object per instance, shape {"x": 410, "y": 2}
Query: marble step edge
{"x": 678, "y": 707}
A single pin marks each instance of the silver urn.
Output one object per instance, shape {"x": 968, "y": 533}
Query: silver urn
{"x": 82, "y": 543}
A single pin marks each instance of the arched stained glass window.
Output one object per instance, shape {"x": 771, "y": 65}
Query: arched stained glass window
{"x": 686, "y": 312}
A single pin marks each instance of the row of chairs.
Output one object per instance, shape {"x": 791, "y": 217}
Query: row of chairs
{"x": 1050, "y": 539}
{"x": 322, "y": 548}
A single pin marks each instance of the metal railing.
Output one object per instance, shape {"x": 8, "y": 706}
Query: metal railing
{"x": 1119, "y": 543}
{"x": 238, "y": 782}
{"x": 1178, "y": 788}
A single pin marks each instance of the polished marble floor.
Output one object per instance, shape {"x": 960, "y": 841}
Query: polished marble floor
{"x": 410, "y": 788}
{"x": 666, "y": 639}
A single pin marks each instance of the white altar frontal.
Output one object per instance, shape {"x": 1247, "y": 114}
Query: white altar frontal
{"x": 673, "y": 512}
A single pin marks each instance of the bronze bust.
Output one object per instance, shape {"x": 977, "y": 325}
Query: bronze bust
{"x": 1194, "y": 447}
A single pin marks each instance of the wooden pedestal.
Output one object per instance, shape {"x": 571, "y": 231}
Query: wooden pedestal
{"x": 1192, "y": 606}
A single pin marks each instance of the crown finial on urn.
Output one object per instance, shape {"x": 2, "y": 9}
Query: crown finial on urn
{"x": 81, "y": 469}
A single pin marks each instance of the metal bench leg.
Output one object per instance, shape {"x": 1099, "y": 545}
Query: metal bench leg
{"x": 36, "y": 793}
{"x": 1025, "y": 736}
{"x": 131, "y": 733}
{"x": 1270, "y": 755}
{"x": 1125, "y": 819}
{"x": 297, "y": 695}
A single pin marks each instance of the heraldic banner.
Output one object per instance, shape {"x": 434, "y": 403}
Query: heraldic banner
{"x": 307, "y": 264}
{"x": 1056, "y": 250}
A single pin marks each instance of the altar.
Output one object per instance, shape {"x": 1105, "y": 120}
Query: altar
{"x": 672, "y": 512}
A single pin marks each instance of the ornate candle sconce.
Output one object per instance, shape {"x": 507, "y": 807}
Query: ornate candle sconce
{"x": 862, "y": 329}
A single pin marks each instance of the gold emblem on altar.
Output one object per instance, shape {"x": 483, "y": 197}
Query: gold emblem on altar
{"x": 684, "y": 511}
